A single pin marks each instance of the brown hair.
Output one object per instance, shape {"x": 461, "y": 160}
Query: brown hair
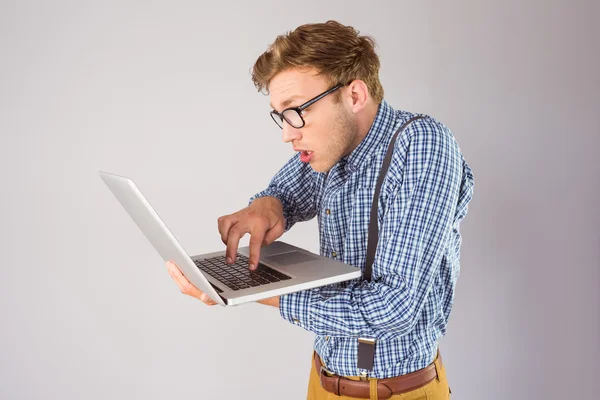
{"x": 334, "y": 50}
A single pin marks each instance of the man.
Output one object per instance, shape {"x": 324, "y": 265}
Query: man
{"x": 326, "y": 97}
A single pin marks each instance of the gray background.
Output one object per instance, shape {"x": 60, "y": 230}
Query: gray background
{"x": 161, "y": 92}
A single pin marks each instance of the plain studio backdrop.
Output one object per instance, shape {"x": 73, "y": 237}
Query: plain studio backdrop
{"x": 161, "y": 92}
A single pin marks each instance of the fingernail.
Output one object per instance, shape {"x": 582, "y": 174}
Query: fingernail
{"x": 204, "y": 297}
{"x": 229, "y": 260}
{"x": 252, "y": 266}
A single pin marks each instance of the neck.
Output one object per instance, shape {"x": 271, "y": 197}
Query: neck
{"x": 364, "y": 121}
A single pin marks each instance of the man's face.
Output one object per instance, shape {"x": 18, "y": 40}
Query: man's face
{"x": 329, "y": 131}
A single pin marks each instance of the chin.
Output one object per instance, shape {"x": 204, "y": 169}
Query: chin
{"x": 320, "y": 167}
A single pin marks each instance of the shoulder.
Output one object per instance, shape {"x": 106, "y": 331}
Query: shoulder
{"x": 423, "y": 139}
{"x": 423, "y": 127}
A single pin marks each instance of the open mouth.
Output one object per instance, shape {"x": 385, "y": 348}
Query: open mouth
{"x": 306, "y": 156}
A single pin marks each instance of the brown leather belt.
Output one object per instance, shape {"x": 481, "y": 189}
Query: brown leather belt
{"x": 341, "y": 386}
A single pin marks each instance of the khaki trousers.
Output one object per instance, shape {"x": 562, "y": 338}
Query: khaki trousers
{"x": 435, "y": 390}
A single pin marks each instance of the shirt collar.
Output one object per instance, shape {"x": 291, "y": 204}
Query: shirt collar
{"x": 384, "y": 121}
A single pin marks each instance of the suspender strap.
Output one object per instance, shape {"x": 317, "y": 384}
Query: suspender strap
{"x": 366, "y": 346}
{"x": 373, "y": 224}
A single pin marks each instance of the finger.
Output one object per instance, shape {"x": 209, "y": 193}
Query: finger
{"x": 256, "y": 240}
{"x": 273, "y": 234}
{"x": 171, "y": 271}
{"x": 207, "y": 300}
{"x": 184, "y": 284}
{"x": 225, "y": 223}
{"x": 186, "y": 287}
{"x": 233, "y": 240}
{"x": 176, "y": 275}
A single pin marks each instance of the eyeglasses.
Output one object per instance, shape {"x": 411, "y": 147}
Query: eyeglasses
{"x": 293, "y": 115}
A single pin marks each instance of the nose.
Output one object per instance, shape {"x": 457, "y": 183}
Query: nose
{"x": 290, "y": 133}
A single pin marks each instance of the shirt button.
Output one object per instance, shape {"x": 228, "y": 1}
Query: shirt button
{"x": 334, "y": 254}
{"x": 328, "y": 211}
{"x": 296, "y": 321}
{"x": 327, "y": 338}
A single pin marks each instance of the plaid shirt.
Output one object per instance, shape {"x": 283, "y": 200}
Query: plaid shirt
{"x": 406, "y": 305}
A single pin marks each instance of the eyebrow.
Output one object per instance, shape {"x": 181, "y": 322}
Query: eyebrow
{"x": 287, "y": 102}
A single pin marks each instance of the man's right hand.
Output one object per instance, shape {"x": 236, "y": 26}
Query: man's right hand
{"x": 262, "y": 219}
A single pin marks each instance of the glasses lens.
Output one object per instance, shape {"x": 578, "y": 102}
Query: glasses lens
{"x": 293, "y": 118}
{"x": 277, "y": 120}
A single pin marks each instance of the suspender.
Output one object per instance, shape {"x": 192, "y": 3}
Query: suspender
{"x": 366, "y": 347}
{"x": 373, "y": 224}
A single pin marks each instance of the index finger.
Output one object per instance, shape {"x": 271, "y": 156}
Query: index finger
{"x": 233, "y": 240}
{"x": 256, "y": 238}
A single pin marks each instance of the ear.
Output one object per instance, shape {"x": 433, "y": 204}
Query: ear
{"x": 359, "y": 95}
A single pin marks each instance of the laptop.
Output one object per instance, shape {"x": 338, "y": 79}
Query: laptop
{"x": 282, "y": 268}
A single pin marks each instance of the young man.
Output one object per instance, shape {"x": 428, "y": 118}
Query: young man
{"x": 327, "y": 99}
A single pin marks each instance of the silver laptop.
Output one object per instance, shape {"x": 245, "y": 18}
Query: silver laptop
{"x": 282, "y": 268}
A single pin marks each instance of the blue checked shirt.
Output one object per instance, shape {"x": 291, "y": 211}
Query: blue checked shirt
{"x": 406, "y": 305}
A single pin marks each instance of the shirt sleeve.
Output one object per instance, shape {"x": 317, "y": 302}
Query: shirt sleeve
{"x": 294, "y": 186}
{"x": 418, "y": 218}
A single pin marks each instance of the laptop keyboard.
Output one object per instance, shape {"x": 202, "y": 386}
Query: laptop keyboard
{"x": 237, "y": 275}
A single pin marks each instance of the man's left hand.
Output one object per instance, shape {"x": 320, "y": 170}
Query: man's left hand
{"x": 187, "y": 288}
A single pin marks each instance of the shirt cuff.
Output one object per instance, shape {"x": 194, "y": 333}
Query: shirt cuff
{"x": 295, "y": 307}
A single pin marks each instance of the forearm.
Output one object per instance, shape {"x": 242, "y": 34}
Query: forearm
{"x": 365, "y": 309}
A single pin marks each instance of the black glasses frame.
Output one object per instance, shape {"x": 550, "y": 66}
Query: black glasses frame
{"x": 281, "y": 117}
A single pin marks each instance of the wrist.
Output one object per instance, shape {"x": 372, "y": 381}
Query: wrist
{"x": 271, "y": 202}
